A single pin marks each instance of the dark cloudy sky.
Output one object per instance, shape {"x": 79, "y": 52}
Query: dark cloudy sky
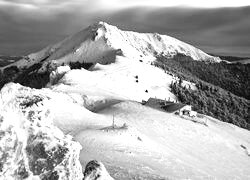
{"x": 220, "y": 27}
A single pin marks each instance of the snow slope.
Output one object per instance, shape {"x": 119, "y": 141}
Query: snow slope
{"x": 169, "y": 146}
{"x": 124, "y": 79}
{"x": 143, "y": 143}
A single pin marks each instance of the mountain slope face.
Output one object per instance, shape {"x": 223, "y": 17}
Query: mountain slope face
{"x": 91, "y": 84}
{"x": 99, "y": 43}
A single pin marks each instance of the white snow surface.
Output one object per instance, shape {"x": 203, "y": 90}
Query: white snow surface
{"x": 125, "y": 79}
{"x": 143, "y": 143}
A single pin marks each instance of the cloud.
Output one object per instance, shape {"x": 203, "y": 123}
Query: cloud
{"x": 26, "y": 30}
{"x": 216, "y": 30}
{"x": 38, "y": 3}
{"x": 219, "y": 30}
{"x": 131, "y": 3}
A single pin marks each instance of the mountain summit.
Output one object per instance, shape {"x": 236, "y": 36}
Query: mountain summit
{"x": 101, "y": 42}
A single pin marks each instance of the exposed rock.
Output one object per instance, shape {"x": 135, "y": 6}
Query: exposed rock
{"x": 95, "y": 170}
{"x": 56, "y": 75}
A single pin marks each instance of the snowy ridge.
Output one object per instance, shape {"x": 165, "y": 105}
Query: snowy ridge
{"x": 148, "y": 44}
{"x": 101, "y": 43}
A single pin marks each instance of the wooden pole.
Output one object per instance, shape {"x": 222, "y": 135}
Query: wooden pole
{"x": 113, "y": 124}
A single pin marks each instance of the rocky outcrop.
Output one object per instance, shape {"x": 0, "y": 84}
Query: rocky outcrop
{"x": 95, "y": 170}
{"x": 30, "y": 145}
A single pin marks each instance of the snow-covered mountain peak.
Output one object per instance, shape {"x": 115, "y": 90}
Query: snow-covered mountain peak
{"x": 102, "y": 43}
{"x": 102, "y": 25}
{"x": 146, "y": 44}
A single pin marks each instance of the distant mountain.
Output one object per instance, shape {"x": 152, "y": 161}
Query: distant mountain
{"x": 243, "y": 60}
{"x": 6, "y": 60}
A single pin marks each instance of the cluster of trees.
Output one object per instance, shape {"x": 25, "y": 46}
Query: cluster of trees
{"x": 79, "y": 65}
{"x": 216, "y": 102}
{"x": 27, "y": 77}
{"x": 6, "y": 60}
{"x": 223, "y": 90}
{"x": 31, "y": 77}
{"x": 233, "y": 77}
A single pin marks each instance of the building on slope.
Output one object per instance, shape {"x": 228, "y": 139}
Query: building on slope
{"x": 170, "y": 107}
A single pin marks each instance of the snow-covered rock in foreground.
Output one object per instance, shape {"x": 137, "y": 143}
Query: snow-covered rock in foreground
{"x": 31, "y": 147}
{"x": 95, "y": 170}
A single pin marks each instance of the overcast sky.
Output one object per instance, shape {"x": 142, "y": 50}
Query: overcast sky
{"x": 220, "y": 27}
